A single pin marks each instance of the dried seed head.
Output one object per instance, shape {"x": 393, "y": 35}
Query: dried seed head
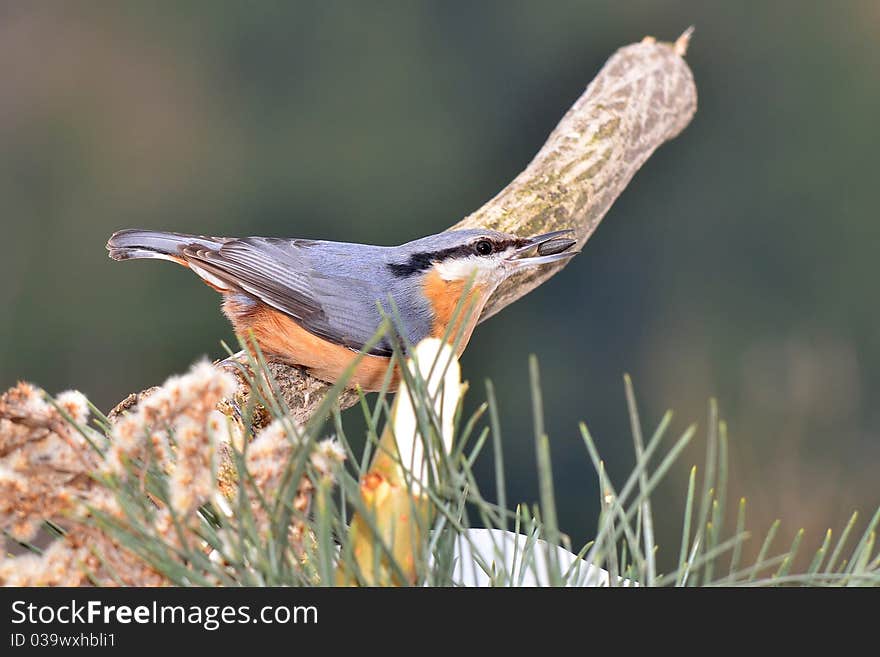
{"x": 44, "y": 462}
{"x": 326, "y": 457}
{"x": 75, "y": 405}
{"x": 192, "y": 480}
{"x": 191, "y": 397}
{"x": 268, "y": 454}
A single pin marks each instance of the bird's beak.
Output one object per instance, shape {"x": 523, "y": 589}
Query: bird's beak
{"x": 539, "y": 250}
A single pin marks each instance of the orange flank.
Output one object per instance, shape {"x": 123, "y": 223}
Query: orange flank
{"x": 444, "y": 297}
{"x": 280, "y": 336}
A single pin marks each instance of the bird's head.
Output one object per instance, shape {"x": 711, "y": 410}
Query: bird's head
{"x": 485, "y": 256}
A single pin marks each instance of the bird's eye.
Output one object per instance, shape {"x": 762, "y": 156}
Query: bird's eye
{"x": 483, "y": 247}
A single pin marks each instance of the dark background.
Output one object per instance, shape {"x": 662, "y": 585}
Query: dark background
{"x": 740, "y": 263}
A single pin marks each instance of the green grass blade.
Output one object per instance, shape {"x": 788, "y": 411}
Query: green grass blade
{"x": 841, "y": 542}
{"x": 686, "y": 527}
{"x": 647, "y": 519}
{"x": 737, "y": 551}
{"x": 816, "y": 563}
{"x": 786, "y": 564}
{"x": 497, "y": 450}
{"x": 866, "y": 536}
{"x": 545, "y": 476}
{"x": 765, "y": 547}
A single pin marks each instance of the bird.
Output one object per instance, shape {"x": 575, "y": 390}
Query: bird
{"x": 317, "y": 304}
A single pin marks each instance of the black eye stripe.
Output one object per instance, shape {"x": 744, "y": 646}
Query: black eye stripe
{"x": 423, "y": 261}
{"x": 419, "y": 262}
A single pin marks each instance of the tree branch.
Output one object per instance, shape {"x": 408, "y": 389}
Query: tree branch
{"x": 643, "y": 96}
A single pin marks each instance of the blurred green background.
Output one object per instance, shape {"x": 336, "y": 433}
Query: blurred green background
{"x": 741, "y": 262}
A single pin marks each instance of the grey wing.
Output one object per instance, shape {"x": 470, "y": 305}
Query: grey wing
{"x": 319, "y": 284}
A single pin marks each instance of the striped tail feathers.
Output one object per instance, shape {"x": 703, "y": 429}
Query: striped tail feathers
{"x": 133, "y": 243}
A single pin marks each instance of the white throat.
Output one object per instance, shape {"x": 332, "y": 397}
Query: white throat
{"x": 484, "y": 270}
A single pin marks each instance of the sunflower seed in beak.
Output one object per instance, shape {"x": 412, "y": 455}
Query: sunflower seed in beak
{"x": 554, "y": 246}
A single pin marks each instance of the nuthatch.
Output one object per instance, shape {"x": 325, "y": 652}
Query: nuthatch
{"x": 316, "y": 303}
